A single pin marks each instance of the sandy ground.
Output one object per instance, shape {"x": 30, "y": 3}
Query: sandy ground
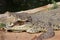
{"x": 25, "y": 36}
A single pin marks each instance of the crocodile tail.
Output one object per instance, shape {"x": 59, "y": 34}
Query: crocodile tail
{"x": 48, "y": 34}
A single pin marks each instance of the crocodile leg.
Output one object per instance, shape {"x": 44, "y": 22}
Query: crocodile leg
{"x": 48, "y": 34}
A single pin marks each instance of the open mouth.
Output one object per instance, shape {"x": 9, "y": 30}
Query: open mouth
{"x": 20, "y": 25}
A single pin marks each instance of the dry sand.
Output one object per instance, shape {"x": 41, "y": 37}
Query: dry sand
{"x": 26, "y": 36}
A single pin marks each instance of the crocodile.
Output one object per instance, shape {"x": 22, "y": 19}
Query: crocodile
{"x": 46, "y": 22}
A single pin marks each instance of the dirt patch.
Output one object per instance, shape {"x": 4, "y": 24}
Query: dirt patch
{"x": 25, "y": 36}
